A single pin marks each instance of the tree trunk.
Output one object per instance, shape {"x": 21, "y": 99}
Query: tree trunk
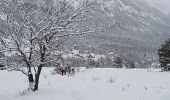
{"x": 31, "y": 81}
{"x": 37, "y": 76}
{"x": 36, "y": 82}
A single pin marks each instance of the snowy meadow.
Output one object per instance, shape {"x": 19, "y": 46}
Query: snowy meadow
{"x": 89, "y": 84}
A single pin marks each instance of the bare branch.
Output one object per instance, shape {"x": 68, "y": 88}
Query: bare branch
{"x": 21, "y": 70}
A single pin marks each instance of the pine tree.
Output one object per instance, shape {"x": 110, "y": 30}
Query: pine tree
{"x": 164, "y": 55}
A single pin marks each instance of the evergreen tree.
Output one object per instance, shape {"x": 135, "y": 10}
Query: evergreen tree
{"x": 164, "y": 55}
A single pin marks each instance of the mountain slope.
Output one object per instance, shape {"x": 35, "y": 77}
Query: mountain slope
{"x": 132, "y": 27}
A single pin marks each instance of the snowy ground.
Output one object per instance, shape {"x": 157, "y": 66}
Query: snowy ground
{"x": 92, "y": 84}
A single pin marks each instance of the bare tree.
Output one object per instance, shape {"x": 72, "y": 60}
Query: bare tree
{"x": 31, "y": 35}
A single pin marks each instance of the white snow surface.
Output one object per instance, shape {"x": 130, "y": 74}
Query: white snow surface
{"x": 91, "y": 84}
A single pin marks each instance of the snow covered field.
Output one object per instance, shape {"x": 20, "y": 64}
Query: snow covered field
{"x": 92, "y": 84}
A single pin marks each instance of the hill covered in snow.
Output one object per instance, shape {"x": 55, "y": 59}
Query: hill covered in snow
{"x": 131, "y": 28}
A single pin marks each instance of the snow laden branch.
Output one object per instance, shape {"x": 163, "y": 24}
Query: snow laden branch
{"x": 32, "y": 35}
{"x": 18, "y": 69}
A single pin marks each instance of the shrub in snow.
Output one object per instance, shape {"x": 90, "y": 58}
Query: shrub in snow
{"x": 2, "y": 67}
{"x": 112, "y": 80}
{"x": 64, "y": 70}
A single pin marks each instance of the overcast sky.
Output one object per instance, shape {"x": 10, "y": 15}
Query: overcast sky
{"x": 163, "y": 5}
